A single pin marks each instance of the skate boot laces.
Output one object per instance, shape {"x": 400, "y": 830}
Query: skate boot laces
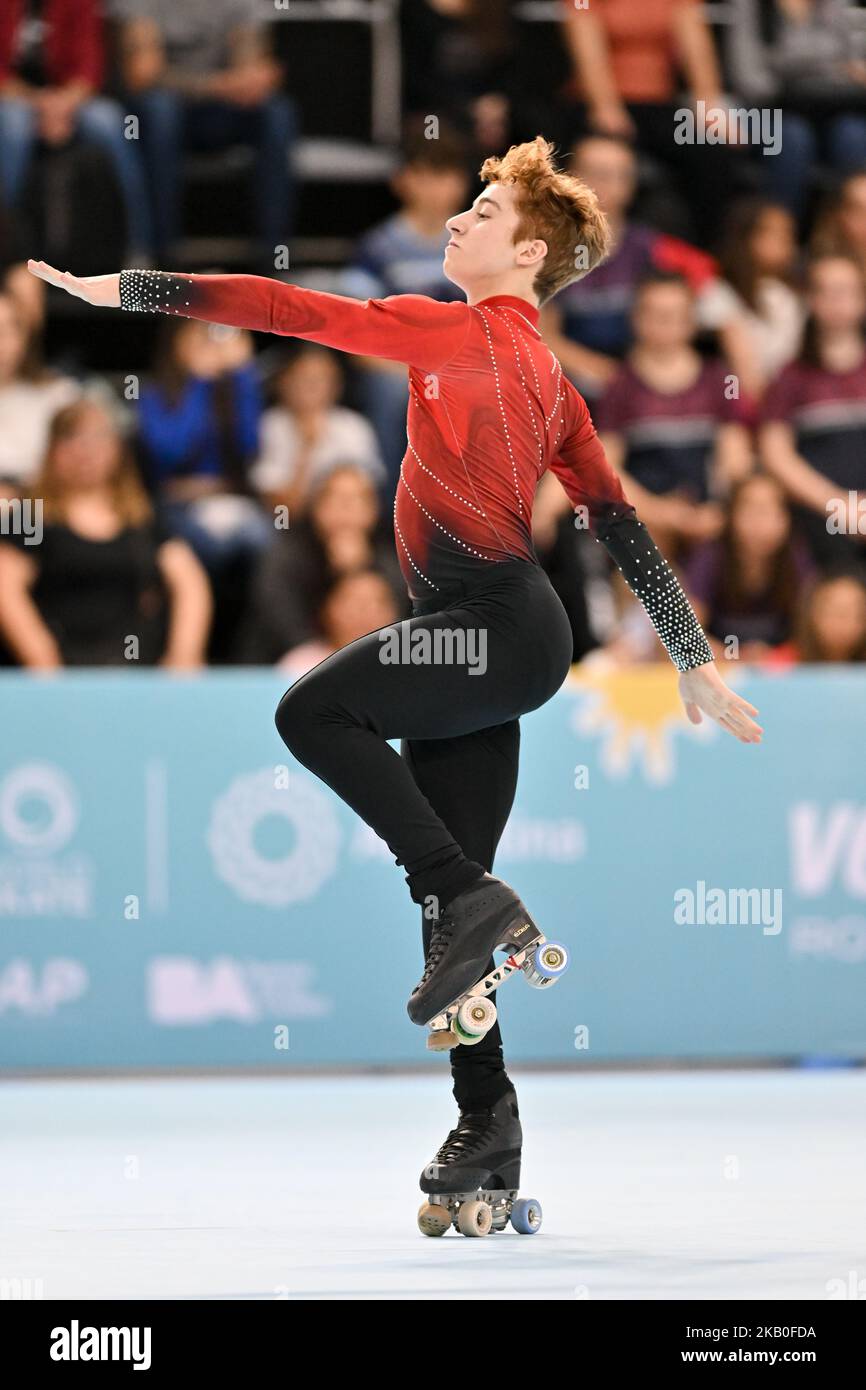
{"x": 440, "y": 940}
{"x": 466, "y": 1137}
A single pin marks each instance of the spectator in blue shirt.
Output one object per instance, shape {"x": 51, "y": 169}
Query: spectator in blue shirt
{"x": 198, "y": 425}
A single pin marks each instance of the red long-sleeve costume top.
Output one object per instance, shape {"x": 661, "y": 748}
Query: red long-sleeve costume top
{"x": 490, "y": 410}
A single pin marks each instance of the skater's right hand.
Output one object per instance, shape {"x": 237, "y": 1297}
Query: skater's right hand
{"x": 101, "y": 290}
{"x": 704, "y": 692}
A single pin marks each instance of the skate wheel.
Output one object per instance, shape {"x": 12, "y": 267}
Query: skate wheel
{"x": 441, "y": 1040}
{"x": 475, "y": 1017}
{"x": 526, "y": 1216}
{"x": 551, "y": 959}
{"x": 433, "y": 1220}
{"x": 545, "y": 965}
{"x": 474, "y": 1219}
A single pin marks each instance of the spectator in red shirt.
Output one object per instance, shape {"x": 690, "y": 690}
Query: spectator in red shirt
{"x": 813, "y": 432}
{"x": 670, "y": 421}
{"x": 51, "y": 70}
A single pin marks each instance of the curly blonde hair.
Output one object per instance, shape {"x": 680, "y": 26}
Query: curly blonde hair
{"x": 559, "y": 208}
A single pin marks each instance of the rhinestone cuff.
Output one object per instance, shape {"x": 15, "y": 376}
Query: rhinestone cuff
{"x": 153, "y": 292}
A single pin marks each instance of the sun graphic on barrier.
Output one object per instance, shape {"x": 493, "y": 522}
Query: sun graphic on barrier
{"x": 635, "y": 712}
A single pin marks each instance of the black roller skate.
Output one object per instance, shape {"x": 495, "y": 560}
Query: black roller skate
{"x": 472, "y": 1182}
{"x": 451, "y": 996}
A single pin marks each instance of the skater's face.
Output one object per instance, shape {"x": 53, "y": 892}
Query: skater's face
{"x": 482, "y": 245}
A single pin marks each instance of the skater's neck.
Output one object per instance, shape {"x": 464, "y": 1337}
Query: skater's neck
{"x": 504, "y": 287}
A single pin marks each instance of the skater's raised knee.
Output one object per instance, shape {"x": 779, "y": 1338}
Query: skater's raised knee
{"x": 295, "y": 719}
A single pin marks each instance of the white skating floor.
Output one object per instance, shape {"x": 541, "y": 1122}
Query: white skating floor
{"x": 656, "y": 1185}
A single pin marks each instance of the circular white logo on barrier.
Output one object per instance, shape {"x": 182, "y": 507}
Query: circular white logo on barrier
{"x": 46, "y": 825}
{"x": 299, "y": 874}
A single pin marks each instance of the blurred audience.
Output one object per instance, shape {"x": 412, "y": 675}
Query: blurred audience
{"x": 403, "y": 255}
{"x": 357, "y": 603}
{"x": 576, "y": 566}
{"x": 106, "y": 585}
{"x": 756, "y": 307}
{"x": 813, "y": 431}
{"x": 588, "y": 324}
{"x": 29, "y": 395}
{"x": 27, "y": 290}
{"x": 198, "y": 422}
{"x": 28, "y": 293}
{"x": 832, "y": 624}
{"x": 630, "y": 60}
{"x": 748, "y": 584}
{"x": 341, "y": 533}
{"x": 307, "y": 433}
{"x": 841, "y": 228}
{"x": 671, "y": 421}
{"x": 283, "y": 507}
{"x": 460, "y": 60}
{"x": 52, "y": 63}
{"x": 807, "y": 57}
{"x": 200, "y": 75}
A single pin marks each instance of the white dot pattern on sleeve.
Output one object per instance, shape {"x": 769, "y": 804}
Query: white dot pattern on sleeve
{"x": 653, "y": 581}
{"x": 153, "y": 292}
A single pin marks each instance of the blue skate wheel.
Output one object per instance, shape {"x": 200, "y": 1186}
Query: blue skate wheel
{"x": 526, "y": 1216}
{"x": 551, "y": 960}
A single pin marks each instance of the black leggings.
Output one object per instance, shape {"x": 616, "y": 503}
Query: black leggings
{"x": 442, "y": 803}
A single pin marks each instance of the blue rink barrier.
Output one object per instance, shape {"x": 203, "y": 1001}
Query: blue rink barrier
{"x": 175, "y": 891}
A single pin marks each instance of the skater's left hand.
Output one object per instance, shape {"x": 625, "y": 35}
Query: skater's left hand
{"x": 101, "y": 290}
{"x": 704, "y": 689}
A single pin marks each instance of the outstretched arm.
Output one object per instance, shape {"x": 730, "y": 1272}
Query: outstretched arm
{"x": 598, "y": 498}
{"x": 403, "y": 328}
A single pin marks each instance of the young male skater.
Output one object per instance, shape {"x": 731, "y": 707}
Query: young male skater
{"x": 490, "y": 411}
